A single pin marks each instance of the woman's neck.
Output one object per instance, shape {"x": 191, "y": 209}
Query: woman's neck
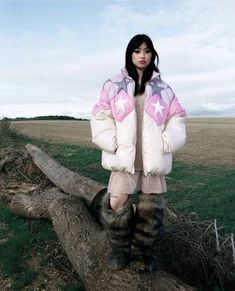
{"x": 140, "y": 74}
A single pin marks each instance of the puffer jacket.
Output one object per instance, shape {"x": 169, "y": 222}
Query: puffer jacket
{"x": 114, "y": 125}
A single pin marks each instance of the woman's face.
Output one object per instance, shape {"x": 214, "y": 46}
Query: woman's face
{"x": 141, "y": 57}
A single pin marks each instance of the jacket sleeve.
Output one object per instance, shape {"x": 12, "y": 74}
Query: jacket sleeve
{"x": 103, "y": 128}
{"x": 174, "y": 134}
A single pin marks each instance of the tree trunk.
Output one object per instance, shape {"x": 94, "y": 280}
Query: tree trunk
{"x": 82, "y": 238}
{"x": 67, "y": 180}
{"x": 87, "y": 248}
{"x": 35, "y": 206}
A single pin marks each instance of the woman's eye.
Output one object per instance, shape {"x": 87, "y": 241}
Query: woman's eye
{"x": 137, "y": 51}
{"x": 148, "y": 51}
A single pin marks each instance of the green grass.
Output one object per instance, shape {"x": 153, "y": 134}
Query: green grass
{"x": 204, "y": 189}
{"x": 207, "y": 190}
{"x": 19, "y": 238}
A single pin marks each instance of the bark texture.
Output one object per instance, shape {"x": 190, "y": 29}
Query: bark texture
{"x": 65, "y": 179}
{"x": 87, "y": 248}
{"x": 35, "y": 206}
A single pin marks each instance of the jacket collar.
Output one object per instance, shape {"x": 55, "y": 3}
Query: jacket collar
{"x": 125, "y": 73}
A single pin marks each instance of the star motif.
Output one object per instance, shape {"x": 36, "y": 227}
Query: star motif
{"x": 122, "y": 85}
{"x": 158, "y": 107}
{"x": 121, "y": 104}
{"x": 155, "y": 89}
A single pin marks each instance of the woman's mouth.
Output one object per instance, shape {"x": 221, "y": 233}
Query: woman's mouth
{"x": 142, "y": 62}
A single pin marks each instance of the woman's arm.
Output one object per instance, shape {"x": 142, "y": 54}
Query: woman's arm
{"x": 103, "y": 128}
{"x": 174, "y": 135}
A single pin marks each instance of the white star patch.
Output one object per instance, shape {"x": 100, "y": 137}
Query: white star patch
{"x": 121, "y": 104}
{"x": 158, "y": 107}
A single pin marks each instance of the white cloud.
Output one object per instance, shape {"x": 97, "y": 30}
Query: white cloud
{"x": 54, "y": 74}
{"x": 195, "y": 41}
{"x": 213, "y": 109}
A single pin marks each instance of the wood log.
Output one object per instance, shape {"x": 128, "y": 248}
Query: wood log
{"x": 85, "y": 243}
{"x": 82, "y": 238}
{"x": 87, "y": 248}
{"x": 16, "y": 187}
{"x": 65, "y": 179}
{"x": 35, "y": 206}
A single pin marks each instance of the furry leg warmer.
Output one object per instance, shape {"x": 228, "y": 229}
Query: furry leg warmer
{"x": 119, "y": 228}
{"x": 148, "y": 223}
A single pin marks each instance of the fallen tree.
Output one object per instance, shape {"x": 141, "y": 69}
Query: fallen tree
{"x": 187, "y": 250}
{"x": 73, "y": 206}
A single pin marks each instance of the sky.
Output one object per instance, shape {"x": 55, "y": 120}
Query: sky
{"x": 56, "y": 55}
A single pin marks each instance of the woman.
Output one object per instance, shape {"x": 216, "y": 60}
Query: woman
{"x": 138, "y": 123}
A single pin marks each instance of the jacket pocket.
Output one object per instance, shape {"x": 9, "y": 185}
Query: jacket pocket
{"x": 111, "y": 162}
{"x": 156, "y": 161}
{"x": 165, "y": 166}
{"x": 117, "y": 162}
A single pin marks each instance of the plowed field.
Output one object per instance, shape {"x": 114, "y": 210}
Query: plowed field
{"x": 210, "y": 140}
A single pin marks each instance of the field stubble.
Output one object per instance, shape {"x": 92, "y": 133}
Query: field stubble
{"x": 209, "y": 140}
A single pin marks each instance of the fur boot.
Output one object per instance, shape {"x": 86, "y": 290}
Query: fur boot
{"x": 148, "y": 225}
{"x": 119, "y": 228}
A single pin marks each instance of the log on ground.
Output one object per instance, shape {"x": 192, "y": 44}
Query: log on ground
{"x": 87, "y": 248}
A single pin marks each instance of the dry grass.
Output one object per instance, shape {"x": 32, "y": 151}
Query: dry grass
{"x": 66, "y": 131}
{"x": 210, "y": 140}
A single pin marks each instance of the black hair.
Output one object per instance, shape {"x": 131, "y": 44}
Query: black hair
{"x": 133, "y": 44}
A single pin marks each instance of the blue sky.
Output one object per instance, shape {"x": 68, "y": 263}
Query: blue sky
{"x": 55, "y": 55}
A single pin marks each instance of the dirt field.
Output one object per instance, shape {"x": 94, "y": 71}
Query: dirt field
{"x": 210, "y": 140}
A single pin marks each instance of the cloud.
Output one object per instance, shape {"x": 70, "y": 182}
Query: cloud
{"x": 53, "y": 74}
{"x": 195, "y": 41}
{"x": 213, "y": 109}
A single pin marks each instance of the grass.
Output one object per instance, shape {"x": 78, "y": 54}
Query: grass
{"x": 207, "y": 190}
{"x": 6, "y": 132}
{"x": 19, "y": 238}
